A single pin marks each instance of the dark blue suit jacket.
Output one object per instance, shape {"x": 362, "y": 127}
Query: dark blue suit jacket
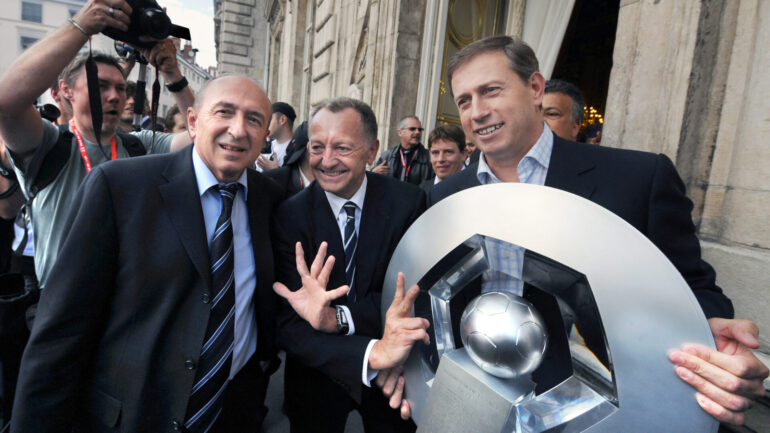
{"x": 119, "y": 330}
{"x": 390, "y": 207}
{"x": 642, "y": 188}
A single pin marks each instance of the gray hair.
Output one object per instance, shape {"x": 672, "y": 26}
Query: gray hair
{"x": 368, "y": 119}
{"x": 569, "y": 89}
{"x": 403, "y": 120}
{"x": 72, "y": 71}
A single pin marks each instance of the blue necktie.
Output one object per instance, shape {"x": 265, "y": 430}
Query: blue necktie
{"x": 350, "y": 244}
{"x": 211, "y": 379}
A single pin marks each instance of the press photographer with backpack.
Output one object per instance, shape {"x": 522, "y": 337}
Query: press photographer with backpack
{"x": 50, "y": 161}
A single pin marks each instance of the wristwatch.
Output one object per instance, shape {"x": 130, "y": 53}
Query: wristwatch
{"x": 342, "y": 321}
{"x": 177, "y": 86}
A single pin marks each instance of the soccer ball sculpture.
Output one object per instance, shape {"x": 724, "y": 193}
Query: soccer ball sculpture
{"x": 503, "y": 334}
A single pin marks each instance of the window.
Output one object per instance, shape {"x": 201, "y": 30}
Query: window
{"x": 27, "y": 41}
{"x": 31, "y": 11}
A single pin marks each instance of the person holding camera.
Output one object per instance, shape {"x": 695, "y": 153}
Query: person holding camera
{"x": 51, "y": 161}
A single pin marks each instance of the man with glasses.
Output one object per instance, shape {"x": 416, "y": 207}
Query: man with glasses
{"x": 409, "y": 161}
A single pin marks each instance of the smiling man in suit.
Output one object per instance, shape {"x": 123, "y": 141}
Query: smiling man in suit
{"x": 500, "y": 111}
{"x": 334, "y": 349}
{"x": 160, "y": 309}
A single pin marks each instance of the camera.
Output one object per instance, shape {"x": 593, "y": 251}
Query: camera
{"x": 49, "y": 112}
{"x": 147, "y": 19}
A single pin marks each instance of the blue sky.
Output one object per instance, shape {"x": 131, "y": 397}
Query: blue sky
{"x": 198, "y": 16}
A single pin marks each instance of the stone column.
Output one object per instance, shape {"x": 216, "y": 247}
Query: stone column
{"x": 241, "y": 37}
{"x": 689, "y": 80}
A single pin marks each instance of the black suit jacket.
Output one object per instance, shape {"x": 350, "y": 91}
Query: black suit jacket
{"x": 642, "y": 188}
{"x": 119, "y": 329}
{"x": 390, "y": 207}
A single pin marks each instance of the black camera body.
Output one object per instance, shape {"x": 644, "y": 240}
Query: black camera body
{"x": 147, "y": 19}
{"x": 49, "y": 112}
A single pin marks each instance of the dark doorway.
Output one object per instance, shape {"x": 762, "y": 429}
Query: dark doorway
{"x": 585, "y": 57}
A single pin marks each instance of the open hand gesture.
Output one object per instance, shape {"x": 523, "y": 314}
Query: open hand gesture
{"x": 312, "y": 301}
{"x": 401, "y": 330}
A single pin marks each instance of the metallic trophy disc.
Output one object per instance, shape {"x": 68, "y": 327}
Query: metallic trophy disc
{"x": 611, "y": 302}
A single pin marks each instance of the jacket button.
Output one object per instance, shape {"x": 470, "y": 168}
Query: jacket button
{"x": 206, "y": 298}
{"x": 177, "y": 425}
{"x": 189, "y": 364}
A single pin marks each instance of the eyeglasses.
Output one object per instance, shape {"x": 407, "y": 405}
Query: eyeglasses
{"x": 414, "y": 128}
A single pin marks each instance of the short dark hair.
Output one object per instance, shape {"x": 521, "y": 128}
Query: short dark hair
{"x": 72, "y": 71}
{"x": 520, "y": 56}
{"x": 569, "y": 89}
{"x": 449, "y": 132}
{"x": 286, "y": 110}
{"x": 368, "y": 119}
{"x": 169, "y": 121}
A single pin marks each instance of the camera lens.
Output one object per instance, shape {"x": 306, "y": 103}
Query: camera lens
{"x": 155, "y": 23}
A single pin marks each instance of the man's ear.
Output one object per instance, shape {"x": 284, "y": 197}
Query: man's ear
{"x": 537, "y": 87}
{"x": 65, "y": 90}
{"x": 192, "y": 122}
{"x": 373, "y": 148}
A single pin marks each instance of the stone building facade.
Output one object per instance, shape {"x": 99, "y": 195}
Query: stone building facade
{"x": 686, "y": 80}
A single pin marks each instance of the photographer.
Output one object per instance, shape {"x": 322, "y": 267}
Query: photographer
{"x": 51, "y": 162}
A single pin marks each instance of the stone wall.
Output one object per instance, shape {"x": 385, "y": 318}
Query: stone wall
{"x": 369, "y": 50}
{"x": 688, "y": 81}
{"x": 241, "y": 37}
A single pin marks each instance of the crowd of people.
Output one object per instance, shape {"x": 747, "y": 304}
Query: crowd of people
{"x": 158, "y": 289}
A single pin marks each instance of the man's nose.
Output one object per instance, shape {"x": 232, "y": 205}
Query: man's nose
{"x": 237, "y": 127}
{"x": 479, "y": 109}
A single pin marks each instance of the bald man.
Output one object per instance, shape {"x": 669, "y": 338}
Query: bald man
{"x": 161, "y": 319}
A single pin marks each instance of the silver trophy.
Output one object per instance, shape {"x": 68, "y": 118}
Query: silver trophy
{"x": 582, "y": 347}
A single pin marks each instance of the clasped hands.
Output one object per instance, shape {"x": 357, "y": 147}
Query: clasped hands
{"x": 312, "y": 302}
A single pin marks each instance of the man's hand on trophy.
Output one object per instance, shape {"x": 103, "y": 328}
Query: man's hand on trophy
{"x": 312, "y": 301}
{"x": 391, "y": 381}
{"x": 727, "y": 379}
{"x": 96, "y": 15}
{"x": 401, "y": 330}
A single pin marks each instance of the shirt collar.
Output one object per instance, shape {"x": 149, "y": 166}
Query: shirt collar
{"x": 336, "y": 202}
{"x": 539, "y": 153}
{"x": 206, "y": 178}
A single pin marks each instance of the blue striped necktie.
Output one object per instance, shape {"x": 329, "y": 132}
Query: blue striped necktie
{"x": 211, "y": 379}
{"x": 350, "y": 243}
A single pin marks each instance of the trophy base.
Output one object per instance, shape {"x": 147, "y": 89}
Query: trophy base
{"x": 464, "y": 398}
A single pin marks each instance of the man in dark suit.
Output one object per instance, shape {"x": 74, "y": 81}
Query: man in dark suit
{"x": 159, "y": 309}
{"x": 332, "y": 345}
{"x": 501, "y": 112}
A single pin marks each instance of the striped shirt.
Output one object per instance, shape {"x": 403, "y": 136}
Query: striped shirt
{"x": 506, "y": 259}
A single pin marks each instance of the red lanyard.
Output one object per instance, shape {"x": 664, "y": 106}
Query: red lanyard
{"x": 82, "y": 146}
{"x": 407, "y": 168}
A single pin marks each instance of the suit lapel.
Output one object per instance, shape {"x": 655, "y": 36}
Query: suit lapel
{"x": 570, "y": 170}
{"x": 183, "y": 204}
{"x": 374, "y": 222}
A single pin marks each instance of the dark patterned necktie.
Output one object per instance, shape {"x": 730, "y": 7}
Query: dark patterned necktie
{"x": 216, "y": 357}
{"x": 350, "y": 244}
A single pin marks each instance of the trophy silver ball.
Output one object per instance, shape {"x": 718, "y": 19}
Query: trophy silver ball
{"x": 503, "y": 334}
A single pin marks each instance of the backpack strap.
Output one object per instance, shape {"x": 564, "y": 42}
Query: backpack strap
{"x": 53, "y": 162}
{"x": 132, "y": 143}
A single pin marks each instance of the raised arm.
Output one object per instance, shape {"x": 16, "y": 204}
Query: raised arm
{"x": 39, "y": 66}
